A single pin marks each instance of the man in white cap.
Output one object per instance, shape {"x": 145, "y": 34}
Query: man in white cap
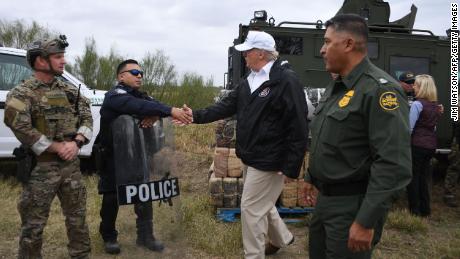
{"x": 271, "y": 139}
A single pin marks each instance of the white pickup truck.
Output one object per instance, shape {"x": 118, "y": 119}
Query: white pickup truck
{"x": 14, "y": 69}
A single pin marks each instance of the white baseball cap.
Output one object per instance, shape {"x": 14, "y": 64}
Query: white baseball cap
{"x": 257, "y": 40}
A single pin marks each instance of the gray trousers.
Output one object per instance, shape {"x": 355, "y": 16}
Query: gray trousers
{"x": 259, "y": 216}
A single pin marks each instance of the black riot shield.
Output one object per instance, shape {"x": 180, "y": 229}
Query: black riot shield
{"x": 144, "y": 160}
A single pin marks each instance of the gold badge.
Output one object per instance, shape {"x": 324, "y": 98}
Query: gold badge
{"x": 346, "y": 98}
{"x": 389, "y": 101}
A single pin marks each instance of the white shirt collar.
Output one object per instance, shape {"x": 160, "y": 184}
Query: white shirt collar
{"x": 256, "y": 79}
{"x": 265, "y": 69}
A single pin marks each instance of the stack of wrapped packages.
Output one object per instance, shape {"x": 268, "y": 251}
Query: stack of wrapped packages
{"x": 293, "y": 193}
{"x": 226, "y": 182}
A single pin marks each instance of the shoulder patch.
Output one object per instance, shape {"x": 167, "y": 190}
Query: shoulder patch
{"x": 16, "y": 104}
{"x": 389, "y": 101}
{"x": 120, "y": 91}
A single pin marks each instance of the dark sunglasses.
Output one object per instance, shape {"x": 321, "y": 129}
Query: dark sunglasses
{"x": 134, "y": 72}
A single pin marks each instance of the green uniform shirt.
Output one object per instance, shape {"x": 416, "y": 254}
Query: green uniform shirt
{"x": 361, "y": 131}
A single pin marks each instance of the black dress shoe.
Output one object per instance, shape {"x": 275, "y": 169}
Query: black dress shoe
{"x": 112, "y": 247}
{"x": 272, "y": 249}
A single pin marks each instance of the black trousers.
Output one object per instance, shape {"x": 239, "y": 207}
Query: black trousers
{"x": 109, "y": 213}
{"x": 418, "y": 191}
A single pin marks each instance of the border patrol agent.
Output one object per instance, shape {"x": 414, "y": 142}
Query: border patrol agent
{"x": 360, "y": 150}
{"x": 125, "y": 98}
{"x": 52, "y": 119}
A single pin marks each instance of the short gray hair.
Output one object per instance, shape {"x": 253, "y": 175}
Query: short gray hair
{"x": 271, "y": 55}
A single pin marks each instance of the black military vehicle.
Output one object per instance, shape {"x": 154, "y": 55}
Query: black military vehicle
{"x": 394, "y": 46}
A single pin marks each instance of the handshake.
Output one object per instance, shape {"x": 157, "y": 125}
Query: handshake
{"x": 182, "y": 116}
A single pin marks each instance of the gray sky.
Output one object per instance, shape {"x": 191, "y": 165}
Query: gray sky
{"x": 194, "y": 34}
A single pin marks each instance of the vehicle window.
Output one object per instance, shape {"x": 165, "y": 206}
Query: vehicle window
{"x": 13, "y": 69}
{"x": 399, "y": 65}
{"x": 289, "y": 45}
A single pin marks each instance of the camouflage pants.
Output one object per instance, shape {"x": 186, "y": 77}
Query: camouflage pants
{"x": 49, "y": 179}
{"x": 452, "y": 174}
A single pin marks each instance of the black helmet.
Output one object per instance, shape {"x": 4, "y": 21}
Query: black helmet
{"x": 46, "y": 47}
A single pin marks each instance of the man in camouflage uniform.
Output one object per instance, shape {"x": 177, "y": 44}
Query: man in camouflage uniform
{"x": 453, "y": 171}
{"x": 54, "y": 121}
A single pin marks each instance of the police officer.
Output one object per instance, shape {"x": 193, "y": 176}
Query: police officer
{"x": 54, "y": 121}
{"x": 126, "y": 98}
{"x": 271, "y": 112}
{"x": 360, "y": 150}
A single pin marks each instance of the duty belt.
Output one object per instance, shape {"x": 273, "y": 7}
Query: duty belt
{"x": 341, "y": 189}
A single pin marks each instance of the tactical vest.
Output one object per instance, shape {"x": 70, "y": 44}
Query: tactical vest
{"x": 53, "y": 110}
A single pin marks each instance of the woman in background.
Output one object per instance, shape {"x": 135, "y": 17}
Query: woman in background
{"x": 424, "y": 115}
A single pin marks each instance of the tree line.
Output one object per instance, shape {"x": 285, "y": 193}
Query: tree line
{"x": 161, "y": 79}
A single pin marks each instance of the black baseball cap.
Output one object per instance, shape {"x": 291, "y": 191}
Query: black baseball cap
{"x": 407, "y": 77}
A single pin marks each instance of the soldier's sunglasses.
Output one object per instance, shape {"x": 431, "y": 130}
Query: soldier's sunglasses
{"x": 134, "y": 72}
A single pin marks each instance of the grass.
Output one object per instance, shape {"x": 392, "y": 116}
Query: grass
{"x": 190, "y": 230}
{"x": 196, "y": 138}
{"x": 402, "y": 220}
{"x": 199, "y": 221}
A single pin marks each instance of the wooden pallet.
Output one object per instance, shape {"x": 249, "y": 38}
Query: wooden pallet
{"x": 233, "y": 214}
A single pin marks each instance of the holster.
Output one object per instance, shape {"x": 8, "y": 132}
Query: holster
{"x": 26, "y": 162}
{"x": 99, "y": 153}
